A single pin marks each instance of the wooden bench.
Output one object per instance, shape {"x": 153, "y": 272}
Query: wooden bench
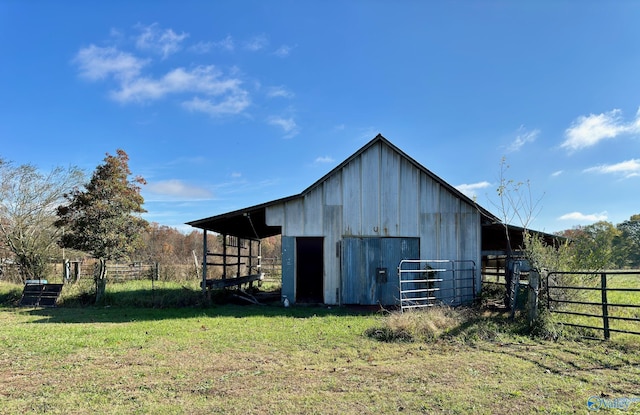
{"x": 231, "y": 282}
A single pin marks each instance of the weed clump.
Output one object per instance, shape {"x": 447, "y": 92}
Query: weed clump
{"x": 418, "y": 325}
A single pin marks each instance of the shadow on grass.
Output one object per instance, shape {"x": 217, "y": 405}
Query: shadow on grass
{"x": 160, "y": 304}
{"x": 11, "y": 297}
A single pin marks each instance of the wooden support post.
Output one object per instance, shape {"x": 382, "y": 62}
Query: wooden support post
{"x": 239, "y": 245}
{"x": 534, "y": 289}
{"x": 224, "y": 256}
{"x": 204, "y": 261}
{"x": 250, "y": 267}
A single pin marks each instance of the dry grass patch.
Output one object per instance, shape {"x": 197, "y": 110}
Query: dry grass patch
{"x": 425, "y": 324}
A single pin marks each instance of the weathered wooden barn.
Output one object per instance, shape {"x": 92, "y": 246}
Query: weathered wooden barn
{"x": 344, "y": 237}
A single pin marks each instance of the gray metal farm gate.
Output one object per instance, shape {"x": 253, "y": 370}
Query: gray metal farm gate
{"x": 429, "y": 282}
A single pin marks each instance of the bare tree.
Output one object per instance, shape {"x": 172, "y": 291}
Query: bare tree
{"x": 28, "y": 200}
{"x": 515, "y": 204}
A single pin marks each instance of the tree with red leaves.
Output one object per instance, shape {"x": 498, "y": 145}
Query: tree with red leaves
{"x": 104, "y": 219}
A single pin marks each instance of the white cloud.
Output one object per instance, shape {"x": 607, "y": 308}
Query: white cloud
{"x": 204, "y": 80}
{"x": 279, "y": 92}
{"x": 523, "y": 138}
{"x": 325, "y": 159}
{"x": 204, "y": 88}
{"x": 97, "y": 63}
{"x": 283, "y": 51}
{"x": 471, "y": 189}
{"x": 202, "y": 47}
{"x": 557, "y": 173}
{"x": 177, "y": 190}
{"x": 587, "y": 131}
{"x": 629, "y": 168}
{"x": 579, "y": 216}
{"x": 230, "y": 105}
{"x": 227, "y": 44}
{"x": 287, "y": 124}
{"x": 256, "y": 43}
{"x": 164, "y": 42}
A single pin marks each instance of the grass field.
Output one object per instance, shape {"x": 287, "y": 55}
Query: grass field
{"x": 631, "y": 298}
{"x": 248, "y": 359}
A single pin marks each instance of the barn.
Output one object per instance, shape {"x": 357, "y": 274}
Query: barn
{"x": 377, "y": 220}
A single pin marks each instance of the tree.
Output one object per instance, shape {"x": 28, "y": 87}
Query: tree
{"x": 593, "y": 245}
{"x": 103, "y": 219}
{"x": 28, "y": 199}
{"x": 627, "y": 243}
{"x": 515, "y": 202}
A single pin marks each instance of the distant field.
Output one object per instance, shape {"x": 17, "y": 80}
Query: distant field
{"x": 630, "y": 298}
{"x": 235, "y": 359}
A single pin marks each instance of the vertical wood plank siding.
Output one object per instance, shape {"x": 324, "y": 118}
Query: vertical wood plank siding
{"x": 379, "y": 193}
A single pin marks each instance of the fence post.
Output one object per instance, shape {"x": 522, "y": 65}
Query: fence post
{"x": 534, "y": 286}
{"x": 605, "y": 308}
{"x": 66, "y": 271}
{"x": 514, "y": 287}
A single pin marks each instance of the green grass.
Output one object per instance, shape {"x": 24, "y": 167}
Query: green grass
{"x": 234, "y": 359}
{"x": 613, "y": 297}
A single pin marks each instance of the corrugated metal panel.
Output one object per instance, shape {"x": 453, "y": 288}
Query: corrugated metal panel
{"x": 409, "y": 194}
{"x": 274, "y": 216}
{"x": 333, "y": 190}
{"x": 332, "y": 231}
{"x": 351, "y": 195}
{"x": 371, "y": 191}
{"x": 294, "y": 217}
{"x": 313, "y": 212}
{"x": 369, "y": 268}
{"x": 390, "y": 190}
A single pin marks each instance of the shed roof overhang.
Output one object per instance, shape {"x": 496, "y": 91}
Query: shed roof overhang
{"x": 247, "y": 223}
{"x": 494, "y": 237}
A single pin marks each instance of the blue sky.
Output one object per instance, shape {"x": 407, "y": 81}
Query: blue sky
{"x": 223, "y": 105}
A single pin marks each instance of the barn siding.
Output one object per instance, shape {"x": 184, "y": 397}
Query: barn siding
{"x": 378, "y": 194}
{"x": 351, "y": 196}
{"x": 371, "y": 191}
{"x": 312, "y": 206}
{"x": 390, "y": 191}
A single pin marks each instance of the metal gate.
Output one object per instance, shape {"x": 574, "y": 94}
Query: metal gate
{"x": 429, "y": 282}
{"x": 606, "y": 301}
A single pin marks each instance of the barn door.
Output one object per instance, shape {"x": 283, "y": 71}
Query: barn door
{"x": 309, "y": 270}
{"x": 369, "y": 268}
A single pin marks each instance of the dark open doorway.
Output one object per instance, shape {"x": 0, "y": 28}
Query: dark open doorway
{"x": 309, "y": 270}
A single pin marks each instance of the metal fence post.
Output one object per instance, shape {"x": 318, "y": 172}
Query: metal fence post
{"x": 605, "y": 308}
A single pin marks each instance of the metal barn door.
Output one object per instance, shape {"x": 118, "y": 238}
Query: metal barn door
{"x": 370, "y": 268}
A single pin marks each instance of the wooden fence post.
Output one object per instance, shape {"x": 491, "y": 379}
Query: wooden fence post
{"x": 534, "y": 290}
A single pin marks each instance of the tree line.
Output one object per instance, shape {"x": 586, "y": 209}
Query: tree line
{"x": 603, "y": 245}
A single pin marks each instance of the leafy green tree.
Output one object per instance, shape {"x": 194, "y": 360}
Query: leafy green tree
{"x": 28, "y": 199}
{"x": 627, "y": 243}
{"x": 104, "y": 218}
{"x": 593, "y": 246}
